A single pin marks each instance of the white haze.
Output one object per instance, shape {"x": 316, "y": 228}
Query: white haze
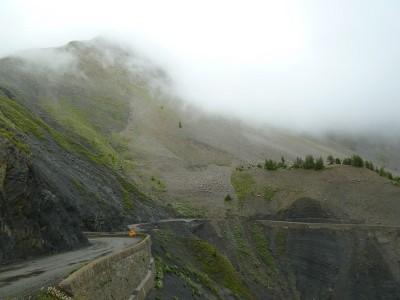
{"x": 305, "y": 65}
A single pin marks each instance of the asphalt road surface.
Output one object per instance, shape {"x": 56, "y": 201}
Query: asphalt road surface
{"x": 23, "y": 279}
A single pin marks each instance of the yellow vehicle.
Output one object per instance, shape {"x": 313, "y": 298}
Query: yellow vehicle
{"x": 132, "y": 233}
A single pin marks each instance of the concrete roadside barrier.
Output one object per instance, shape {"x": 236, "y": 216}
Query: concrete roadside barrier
{"x": 122, "y": 275}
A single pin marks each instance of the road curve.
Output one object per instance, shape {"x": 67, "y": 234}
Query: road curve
{"x": 22, "y": 279}
{"x": 283, "y": 223}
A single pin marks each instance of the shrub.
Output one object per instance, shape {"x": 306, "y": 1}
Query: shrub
{"x": 270, "y": 165}
{"x": 338, "y": 161}
{"x": 228, "y": 198}
{"x": 330, "y": 160}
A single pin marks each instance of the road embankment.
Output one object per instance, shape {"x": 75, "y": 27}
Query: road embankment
{"x": 128, "y": 273}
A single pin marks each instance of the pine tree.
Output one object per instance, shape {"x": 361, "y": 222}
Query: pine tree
{"x": 309, "y": 162}
{"x": 357, "y": 161}
{"x": 347, "y": 161}
{"x": 330, "y": 160}
{"x": 319, "y": 164}
{"x": 371, "y": 166}
{"x": 282, "y": 164}
{"x": 299, "y": 163}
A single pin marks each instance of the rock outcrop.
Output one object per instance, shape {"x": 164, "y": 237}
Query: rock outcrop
{"x": 33, "y": 218}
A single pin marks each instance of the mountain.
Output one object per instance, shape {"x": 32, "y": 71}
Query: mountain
{"x": 42, "y": 117}
{"x": 93, "y": 138}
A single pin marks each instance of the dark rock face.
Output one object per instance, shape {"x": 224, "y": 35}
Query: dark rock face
{"x": 33, "y": 218}
{"x": 340, "y": 264}
{"x": 94, "y": 191}
{"x": 308, "y": 210}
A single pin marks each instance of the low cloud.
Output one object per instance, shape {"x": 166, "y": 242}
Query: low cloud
{"x": 302, "y": 65}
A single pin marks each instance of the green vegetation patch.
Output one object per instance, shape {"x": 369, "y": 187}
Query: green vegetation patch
{"x": 77, "y": 183}
{"x": 158, "y": 184}
{"x": 242, "y": 246}
{"x": 127, "y": 189}
{"x": 78, "y": 122}
{"x": 185, "y": 210}
{"x": 21, "y": 118}
{"x": 127, "y": 201}
{"x": 52, "y": 294}
{"x": 269, "y": 192}
{"x": 15, "y": 117}
{"x": 262, "y": 247}
{"x": 281, "y": 242}
{"x": 217, "y": 266}
{"x": 243, "y": 183}
{"x": 159, "y": 273}
{"x": 9, "y": 135}
{"x": 190, "y": 276}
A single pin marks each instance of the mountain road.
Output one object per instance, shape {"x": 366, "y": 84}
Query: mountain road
{"x": 22, "y": 279}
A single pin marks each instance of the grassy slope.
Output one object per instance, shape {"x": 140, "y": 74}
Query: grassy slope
{"x": 15, "y": 119}
{"x": 351, "y": 193}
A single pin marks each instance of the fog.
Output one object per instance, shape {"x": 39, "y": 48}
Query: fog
{"x": 307, "y": 65}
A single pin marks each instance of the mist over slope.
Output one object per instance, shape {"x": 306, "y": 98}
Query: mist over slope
{"x": 125, "y": 111}
{"x": 112, "y": 143}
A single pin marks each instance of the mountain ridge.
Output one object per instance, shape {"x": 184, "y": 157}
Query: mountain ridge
{"x": 107, "y": 137}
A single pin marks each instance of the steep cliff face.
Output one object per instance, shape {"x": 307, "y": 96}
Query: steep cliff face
{"x": 54, "y": 184}
{"x": 33, "y": 218}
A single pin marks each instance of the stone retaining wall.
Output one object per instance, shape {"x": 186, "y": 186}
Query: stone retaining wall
{"x": 116, "y": 276}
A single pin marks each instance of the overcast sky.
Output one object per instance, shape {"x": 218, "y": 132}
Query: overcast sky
{"x": 306, "y": 64}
